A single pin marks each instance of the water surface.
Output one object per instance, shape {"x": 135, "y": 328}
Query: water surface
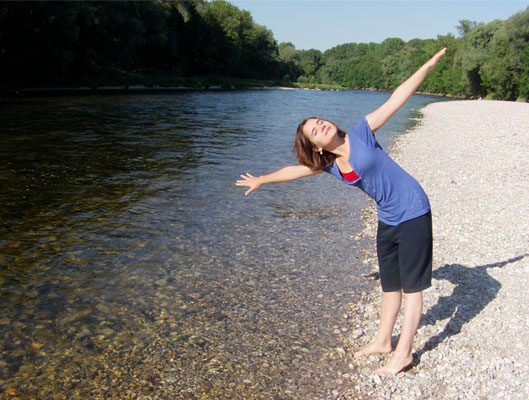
{"x": 131, "y": 265}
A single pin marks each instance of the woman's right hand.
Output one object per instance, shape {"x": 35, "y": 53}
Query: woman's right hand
{"x": 249, "y": 180}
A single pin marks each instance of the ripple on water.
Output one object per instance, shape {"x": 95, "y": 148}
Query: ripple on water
{"x": 132, "y": 266}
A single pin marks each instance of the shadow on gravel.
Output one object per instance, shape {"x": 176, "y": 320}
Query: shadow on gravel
{"x": 475, "y": 288}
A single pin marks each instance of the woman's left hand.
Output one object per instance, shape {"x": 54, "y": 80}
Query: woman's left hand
{"x": 437, "y": 56}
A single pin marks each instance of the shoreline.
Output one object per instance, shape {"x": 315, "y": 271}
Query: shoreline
{"x": 142, "y": 89}
{"x": 474, "y": 334}
{"x": 132, "y": 90}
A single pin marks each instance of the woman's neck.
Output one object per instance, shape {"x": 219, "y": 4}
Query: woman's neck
{"x": 341, "y": 148}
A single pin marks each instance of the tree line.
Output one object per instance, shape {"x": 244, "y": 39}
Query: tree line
{"x": 486, "y": 60}
{"x": 95, "y": 43}
{"x": 64, "y": 42}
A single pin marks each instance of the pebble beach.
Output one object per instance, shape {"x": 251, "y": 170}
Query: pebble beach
{"x": 90, "y": 316}
{"x": 471, "y": 157}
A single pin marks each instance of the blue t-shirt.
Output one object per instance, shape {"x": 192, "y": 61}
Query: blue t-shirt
{"x": 398, "y": 195}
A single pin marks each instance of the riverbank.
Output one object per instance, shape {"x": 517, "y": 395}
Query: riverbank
{"x": 147, "y": 89}
{"x": 473, "y": 341}
{"x": 136, "y": 269}
{"x": 143, "y": 89}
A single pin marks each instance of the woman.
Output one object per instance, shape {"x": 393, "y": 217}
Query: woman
{"x": 404, "y": 236}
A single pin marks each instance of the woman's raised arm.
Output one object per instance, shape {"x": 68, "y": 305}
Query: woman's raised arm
{"x": 381, "y": 115}
{"x": 289, "y": 173}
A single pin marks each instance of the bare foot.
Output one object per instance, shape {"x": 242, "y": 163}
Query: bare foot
{"x": 373, "y": 348}
{"x": 395, "y": 365}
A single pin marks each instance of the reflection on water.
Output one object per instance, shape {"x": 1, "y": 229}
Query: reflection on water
{"x": 132, "y": 266}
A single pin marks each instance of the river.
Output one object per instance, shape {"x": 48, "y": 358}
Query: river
{"x": 132, "y": 266}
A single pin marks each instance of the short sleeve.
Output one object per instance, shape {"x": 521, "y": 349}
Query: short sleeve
{"x": 364, "y": 132}
{"x": 333, "y": 170}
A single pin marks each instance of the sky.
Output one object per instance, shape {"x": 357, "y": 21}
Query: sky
{"x": 323, "y": 24}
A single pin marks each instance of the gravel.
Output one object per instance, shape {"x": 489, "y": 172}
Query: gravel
{"x": 164, "y": 340}
{"x": 471, "y": 157}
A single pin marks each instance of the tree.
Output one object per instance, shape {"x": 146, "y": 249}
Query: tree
{"x": 37, "y": 40}
{"x": 504, "y": 66}
{"x": 446, "y": 77}
{"x": 465, "y": 26}
{"x": 473, "y": 55}
{"x": 290, "y": 61}
{"x": 523, "y": 82}
{"x": 248, "y": 49}
{"x": 309, "y": 63}
{"x": 58, "y": 43}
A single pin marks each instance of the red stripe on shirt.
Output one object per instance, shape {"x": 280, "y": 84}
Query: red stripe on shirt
{"x": 350, "y": 176}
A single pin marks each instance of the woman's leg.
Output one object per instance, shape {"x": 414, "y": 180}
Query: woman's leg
{"x": 412, "y": 316}
{"x": 382, "y": 342}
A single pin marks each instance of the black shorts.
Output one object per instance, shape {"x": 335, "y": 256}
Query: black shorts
{"x": 405, "y": 255}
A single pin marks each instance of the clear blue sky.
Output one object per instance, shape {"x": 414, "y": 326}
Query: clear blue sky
{"x": 321, "y": 24}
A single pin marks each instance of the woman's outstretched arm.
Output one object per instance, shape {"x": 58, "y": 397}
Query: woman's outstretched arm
{"x": 381, "y": 115}
{"x": 289, "y": 173}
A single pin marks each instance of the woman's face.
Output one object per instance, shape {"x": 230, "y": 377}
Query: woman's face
{"x": 320, "y": 132}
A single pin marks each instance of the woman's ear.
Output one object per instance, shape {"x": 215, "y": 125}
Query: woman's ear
{"x": 317, "y": 149}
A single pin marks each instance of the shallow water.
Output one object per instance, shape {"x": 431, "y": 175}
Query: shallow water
{"x": 131, "y": 265}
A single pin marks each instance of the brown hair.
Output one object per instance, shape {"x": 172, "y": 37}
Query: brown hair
{"x": 304, "y": 149}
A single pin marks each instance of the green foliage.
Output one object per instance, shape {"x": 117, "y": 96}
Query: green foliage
{"x": 202, "y": 43}
{"x": 247, "y": 48}
{"x": 506, "y": 67}
{"x": 465, "y": 26}
{"x": 289, "y": 60}
{"x": 523, "y": 82}
{"x": 309, "y": 63}
{"x": 487, "y": 60}
{"x": 71, "y": 43}
{"x": 473, "y": 55}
